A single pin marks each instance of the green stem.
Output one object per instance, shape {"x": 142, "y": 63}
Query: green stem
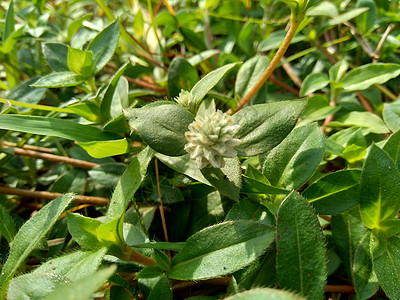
{"x": 295, "y": 22}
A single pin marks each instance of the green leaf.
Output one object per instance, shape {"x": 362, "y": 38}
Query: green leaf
{"x": 335, "y": 192}
{"x": 9, "y": 23}
{"x": 226, "y": 180}
{"x": 346, "y": 16}
{"x": 110, "y": 235}
{"x": 101, "y": 149}
{"x": 84, "y": 231}
{"x": 76, "y": 24}
{"x": 83, "y": 288}
{"x": 362, "y": 119}
{"x": 365, "y": 281}
{"x": 104, "y": 44}
{"x": 292, "y": 163}
{"x": 33, "y": 286}
{"x": 192, "y": 38}
{"x": 348, "y": 230}
{"x": 175, "y": 246}
{"x": 392, "y": 147}
{"x": 7, "y": 226}
{"x": 301, "y": 261}
{"x": 162, "y": 126}
{"x": 59, "y": 79}
{"x": 205, "y": 84}
{"x": 80, "y": 61}
{"x": 55, "y": 127}
{"x": 264, "y": 126}
{"x": 161, "y": 290}
{"x": 150, "y": 272}
{"x": 314, "y": 82}
{"x": 73, "y": 265}
{"x": 29, "y": 236}
{"x": 265, "y": 294}
{"x": 318, "y": 108}
{"x": 185, "y": 165}
{"x": 56, "y": 55}
{"x": 363, "y": 77}
{"x": 221, "y": 249}
{"x": 366, "y": 21}
{"x": 337, "y": 71}
{"x": 252, "y": 186}
{"x": 128, "y": 184}
{"x": 138, "y": 24}
{"x": 248, "y": 209}
{"x": 248, "y": 75}
{"x": 181, "y": 76}
{"x": 386, "y": 264}
{"x": 379, "y": 188}
{"x": 105, "y": 106}
{"x": 391, "y": 115}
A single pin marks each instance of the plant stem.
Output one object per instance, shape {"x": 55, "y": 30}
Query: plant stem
{"x": 50, "y": 196}
{"x": 274, "y": 62}
{"x": 53, "y": 157}
{"x": 164, "y": 225}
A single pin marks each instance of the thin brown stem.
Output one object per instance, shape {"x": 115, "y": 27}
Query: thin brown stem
{"x": 50, "y": 196}
{"x": 365, "y": 102}
{"x": 27, "y": 147}
{"x": 55, "y": 158}
{"x": 292, "y": 74}
{"x": 294, "y": 91}
{"x": 340, "y": 289}
{"x": 382, "y": 42}
{"x": 164, "y": 224}
{"x": 274, "y": 62}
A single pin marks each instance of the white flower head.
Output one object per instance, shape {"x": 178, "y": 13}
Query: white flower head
{"x": 186, "y": 100}
{"x": 210, "y": 139}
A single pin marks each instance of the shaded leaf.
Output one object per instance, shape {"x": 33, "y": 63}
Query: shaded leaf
{"x": 221, "y": 249}
{"x": 301, "y": 261}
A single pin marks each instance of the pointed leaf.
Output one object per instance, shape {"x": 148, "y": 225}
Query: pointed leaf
{"x": 264, "y": 126}
{"x": 221, "y": 249}
{"x": 291, "y": 164}
{"x": 379, "y": 189}
{"x": 7, "y": 226}
{"x": 56, "y": 55}
{"x": 363, "y": 77}
{"x": 73, "y": 265}
{"x": 181, "y": 76}
{"x": 81, "y": 289}
{"x": 301, "y": 260}
{"x": 29, "y": 236}
{"x": 128, "y": 184}
{"x": 335, "y": 192}
{"x": 59, "y": 79}
{"x": 162, "y": 126}
{"x": 387, "y": 266}
{"x": 209, "y": 81}
{"x": 348, "y": 230}
{"x": 313, "y": 82}
{"x": 365, "y": 281}
{"x": 104, "y": 44}
{"x": 84, "y": 231}
{"x": 392, "y": 147}
{"x": 9, "y": 24}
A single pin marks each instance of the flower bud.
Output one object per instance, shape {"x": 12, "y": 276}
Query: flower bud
{"x": 210, "y": 139}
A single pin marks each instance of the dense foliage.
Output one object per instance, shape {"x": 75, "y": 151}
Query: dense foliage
{"x": 199, "y": 149}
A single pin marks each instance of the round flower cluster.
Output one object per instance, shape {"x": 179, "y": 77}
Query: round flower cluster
{"x": 210, "y": 139}
{"x": 186, "y": 100}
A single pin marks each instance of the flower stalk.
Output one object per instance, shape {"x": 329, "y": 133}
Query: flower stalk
{"x": 298, "y": 13}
